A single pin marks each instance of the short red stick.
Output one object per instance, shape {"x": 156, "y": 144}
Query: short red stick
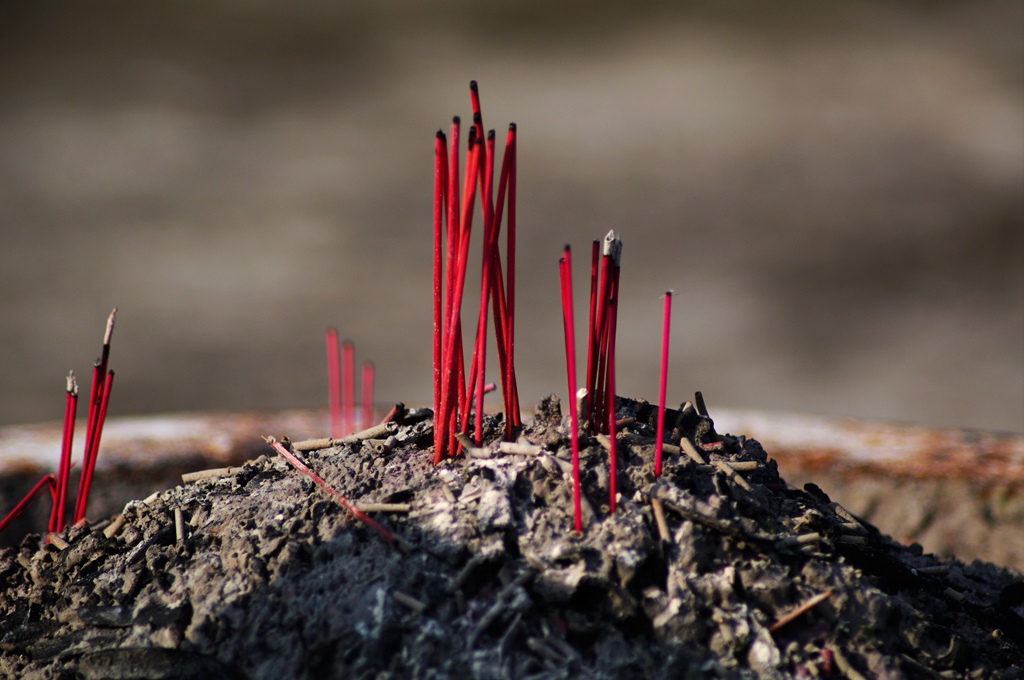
{"x": 333, "y": 382}
{"x": 366, "y": 383}
{"x": 659, "y": 437}
{"x": 348, "y": 386}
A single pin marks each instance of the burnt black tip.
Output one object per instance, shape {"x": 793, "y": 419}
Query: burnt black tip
{"x": 440, "y": 134}
{"x": 567, "y": 247}
{"x": 472, "y": 85}
{"x": 701, "y": 406}
{"x": 512, "y": 127}
{"x": 478, "y": 119}
{"x": 490, "y": 135}
{"x": 456, "y": 120}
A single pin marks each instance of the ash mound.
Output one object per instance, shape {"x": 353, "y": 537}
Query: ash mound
{"x": 716, "y": 569}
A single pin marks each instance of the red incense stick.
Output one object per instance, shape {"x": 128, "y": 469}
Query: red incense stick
{"x": 92, "y": 452}
{"x": 489, "y": 244}
{"x": 27, "y": 500}
{"x": 301, "y": 467}
{"x": 595, "y": 258}
{"x": 348, "y": 386}
{"x": 511, "y": 148}
{"x": 596, "y": 376}
{"x": 454, "y": 396}
{"x": 366, "y": 383}
{"x": 613, "y": 314}
{"x": 660, "y": 435}
{"x": 64, "y": 469}
{"x": 94, "y": 423}
{"x": 440, "y": 191}
{"x": 333, "y": 382}
{"x": 565, "y": 269}
{"x": 502, "y": 300}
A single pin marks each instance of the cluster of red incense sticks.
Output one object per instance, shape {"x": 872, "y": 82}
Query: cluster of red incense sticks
{"x": 453, "y": 219}
{"x": 599, "y": 402}
{"x": 99, "y": 397}
{"x": 341, "y": 387}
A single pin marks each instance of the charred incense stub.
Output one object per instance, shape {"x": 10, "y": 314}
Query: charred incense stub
{"x": 57, "y": 541}
{"x": 115, "y": 526}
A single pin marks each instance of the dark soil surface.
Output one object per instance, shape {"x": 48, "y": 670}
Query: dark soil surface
{"x": 273, "y": 579}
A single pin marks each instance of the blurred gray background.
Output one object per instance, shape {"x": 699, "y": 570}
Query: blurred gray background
{"x": 835, "y": 190}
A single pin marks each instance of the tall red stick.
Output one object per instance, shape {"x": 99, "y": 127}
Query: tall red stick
{"x": 515, "y": 417}
{"x": 366, "y": 383}
{"x": 94, "y": 423}
{"x": 348, "y": 386}
{"x": 595, "y": 258}
{"x": 452, "y": 372}
{"x": 333, "y": 381}
{"x": 489, "y": 244}
{"x": 64, "y": 469}
{"x": 595, "y": 378}
{"x": 24, "y": 502}
{"x": 565, "y": 269}
{"x": 660, "y": 435}
{"x": 342, "y": 501}
{"x": 440, "y": 191}
{"x": 92, "y": 451}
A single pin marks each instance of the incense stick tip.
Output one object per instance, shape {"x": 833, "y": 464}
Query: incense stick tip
{"x": 110, "y": 327}
{"x": 490, "y": 135}
{"x": 473, "y": 86}
{"x": 512, "y": 127}
{"x": 72, "y": 384}
{"x": 478, "y": 119}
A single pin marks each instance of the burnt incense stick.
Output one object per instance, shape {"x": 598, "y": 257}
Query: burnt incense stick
{"x": 474, "y": 102}
{"x": 341, "y": 500}
{"x": 64, "y": 470}
{"x": 366, "y": 384}
{"x": 333, "y": 381}
{"x": 660, "y": 433}
{"x": 565, "y": 269}
{"x": 92, "y": 451}
{"x": 698, "y": 400}
{"x": 348, "y": 386}
{"x": 47, "y": 480}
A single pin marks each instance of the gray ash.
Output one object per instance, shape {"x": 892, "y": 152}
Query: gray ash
{"x": 275, "y": 580}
